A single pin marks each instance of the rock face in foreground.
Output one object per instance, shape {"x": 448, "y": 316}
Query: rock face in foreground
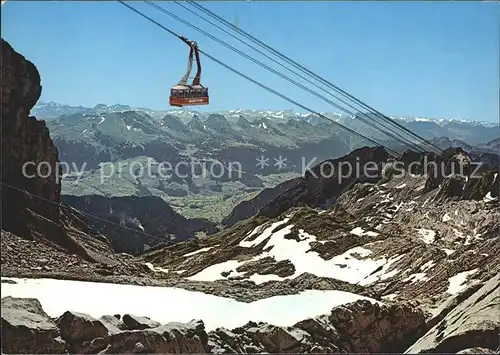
{"x": 473, "y": 323}
{"x": 359, "y": 327}
{"x": 356, "y": 327}
{"x": 26, "y": 328}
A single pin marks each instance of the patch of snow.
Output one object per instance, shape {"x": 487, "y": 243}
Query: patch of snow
{"x": 213, "y": 272}
{"x": 202, "y": 250}
{"x": 263, "y": 236}
{"x": 427, "y": 235}
{"x": 401, "y": 186}
{"x": 489, "y": 198}
{"x": 390, "y": 297}
{"x": 352, "y": 266}
{"x": 458, "y": 282}
{"x": 420, "y": 188}
{"x": 383, "y": 273}
{"x": 84, "y": 131}
{"x": 448, "y": 251}
{"x": 446, "y": 217}
{"x": 360, "y": 199}
{"x": 98, "y": 298}
{"x": 419, "y": 276}
{"x": 129, "y": 127}
{"x": 428, "y": 265}
{"x": 361, "y": 232}
{"x": 425, "y": 202}
{"x": 102, "y": 120}
{"x": 156, "y": 269}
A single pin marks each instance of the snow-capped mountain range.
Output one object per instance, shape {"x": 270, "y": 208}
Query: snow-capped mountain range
{"x": 53, "y": 110}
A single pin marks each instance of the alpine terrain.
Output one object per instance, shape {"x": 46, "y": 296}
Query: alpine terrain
{"x": 105, "y": 252}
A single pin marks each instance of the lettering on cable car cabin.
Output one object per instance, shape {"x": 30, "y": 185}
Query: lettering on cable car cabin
{"x": 195, "y": 94}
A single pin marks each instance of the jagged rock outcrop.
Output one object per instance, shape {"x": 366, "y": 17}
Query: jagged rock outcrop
{"x": 138, "y": 323}
{"x": 76, "y": 328}
{"x": 26, "y": 328}
{"x": 355, "y": 327}
{"x": 247, "y": 209}
{"x": 359, "y": 327}
{"x": 324, "y": 183}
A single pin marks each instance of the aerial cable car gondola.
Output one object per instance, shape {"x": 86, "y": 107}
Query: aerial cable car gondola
{"x": 183, "y": 94}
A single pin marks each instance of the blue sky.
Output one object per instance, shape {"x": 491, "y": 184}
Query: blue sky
{"x": 426, "y": 59}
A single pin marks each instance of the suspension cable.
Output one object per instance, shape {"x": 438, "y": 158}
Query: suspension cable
{"x": 406, "y": 141}
{"x": 61, "y": 205}
{"x": 262, "y": 85}
{"x": 393, "y": 136}
{"x": 304, "y": 69}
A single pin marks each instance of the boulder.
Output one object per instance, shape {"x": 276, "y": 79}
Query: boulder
{"x": 27, "y": 329}
{"x": 366, "y": 327}
{"x": 78, "y": 327}
{"x": 138, "y": 323}
{"x": 169, "y": 338}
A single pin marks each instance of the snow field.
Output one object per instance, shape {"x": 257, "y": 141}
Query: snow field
{"x": 169, "y": 304}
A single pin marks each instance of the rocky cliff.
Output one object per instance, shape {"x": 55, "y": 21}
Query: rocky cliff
{"x": 31, "y": 207}
{"x": 247, "y": 209}
{"x": 25, "y": 140}
{"x": 149, "y": 221}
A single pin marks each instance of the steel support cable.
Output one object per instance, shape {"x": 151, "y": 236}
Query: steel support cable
{"x": 304, "y": 69}
{"x": 314, "y": 75}
{"x": 395, "y": 153}
{"x": 366, "y": 121}
{"x": 408, "y": 142}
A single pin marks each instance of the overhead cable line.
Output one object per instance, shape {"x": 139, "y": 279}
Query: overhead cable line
{"x": 393, "y": 136}
{"x": 398, "y": 138}
{"x": 84, "y": 213}
{"x": 267, "y": 88}
{"x": 316, "y": 76}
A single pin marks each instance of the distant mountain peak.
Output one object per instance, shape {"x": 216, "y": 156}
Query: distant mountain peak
{"x": 174, "y": 123}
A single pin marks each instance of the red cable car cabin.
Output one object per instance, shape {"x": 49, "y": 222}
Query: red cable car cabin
{"x": 189, "y": 95}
